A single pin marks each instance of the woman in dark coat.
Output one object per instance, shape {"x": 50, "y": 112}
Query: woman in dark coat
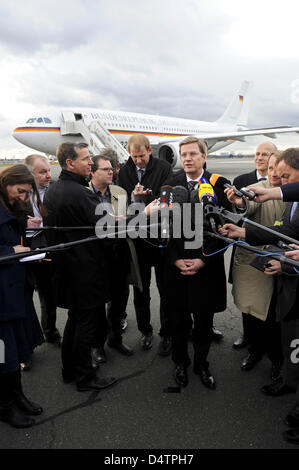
{"x": 20, "y": 331}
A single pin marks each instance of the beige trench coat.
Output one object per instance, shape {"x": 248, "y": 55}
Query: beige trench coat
{"x": 119, "y": 203}
{"x": 252, "y": 289}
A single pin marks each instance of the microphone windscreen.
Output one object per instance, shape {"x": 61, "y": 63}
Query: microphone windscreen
{"x": 180, "y": 194}
{"x": 219, "y": 181}
{"x": 165, "y": 196}
{"x": 205, "y": 190}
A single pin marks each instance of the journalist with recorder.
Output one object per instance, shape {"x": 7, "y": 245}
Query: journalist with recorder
{"x": 287, "y": 287}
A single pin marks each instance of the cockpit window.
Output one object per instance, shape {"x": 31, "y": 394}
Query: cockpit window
{"x": 39, "y": 120}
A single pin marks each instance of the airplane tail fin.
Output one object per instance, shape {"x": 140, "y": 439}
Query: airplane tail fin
{"x": 237, "y": 111}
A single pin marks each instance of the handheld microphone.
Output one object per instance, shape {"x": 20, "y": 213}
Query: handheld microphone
{"x": 207, "y": 197}
{"x": 219, "y": 181}
{"x": 180, "y": 194}
{"x": 166, "y": 196}
{"x": 206, "y": 194}
{"x": 165, "y": 200}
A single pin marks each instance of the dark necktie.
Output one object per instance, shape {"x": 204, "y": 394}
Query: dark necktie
{"x": 262, "y": 179}
{"x": 191, "y": 185}
{"x": 140, "y": 173}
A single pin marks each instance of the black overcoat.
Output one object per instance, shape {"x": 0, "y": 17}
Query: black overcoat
{"x": 19, "y": 327}
{"x": 245, "y": 179}
{"x": 81, "y": 274}
{"x": 157, "y": 171}
{"x": 206, "y": 290}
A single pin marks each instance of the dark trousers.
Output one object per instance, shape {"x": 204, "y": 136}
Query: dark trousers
{"x": 265, "y": 336}
{"x": 109, "y": 326}
{"x": 77, "y": 341}
{"x": 43, "y": 281}
{"x": 289, "y": 335}
{"x": 116, "y": 310}
{"x": 181, "y": 324}
{"x": 142, "y": 299}
{"x": 9, "y": 383}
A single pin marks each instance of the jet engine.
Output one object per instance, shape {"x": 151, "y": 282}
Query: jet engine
{"x": 171, "y": 153}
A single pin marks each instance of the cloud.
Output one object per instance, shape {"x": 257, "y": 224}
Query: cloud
{"x": 170, "y": 57}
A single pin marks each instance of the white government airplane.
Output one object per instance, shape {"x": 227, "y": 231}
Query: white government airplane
{"x": 45, "y": 133}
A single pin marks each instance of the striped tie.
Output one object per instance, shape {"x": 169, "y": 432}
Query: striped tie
{"x": 140, "y": 173}
{"x": 191, "y": 185}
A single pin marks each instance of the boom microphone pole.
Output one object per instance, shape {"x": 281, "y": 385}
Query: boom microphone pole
{"x": 62, "y": 246}
{"x": 235, "y": 218}
{"x": 253, "y": 249}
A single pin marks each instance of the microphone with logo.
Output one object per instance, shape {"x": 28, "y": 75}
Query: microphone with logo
{"x": 219, "y": 181}
{"x": 207, "y": 197}
{"x": 165, "y": 201}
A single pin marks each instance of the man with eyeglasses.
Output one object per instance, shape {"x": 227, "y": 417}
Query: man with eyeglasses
{"x": 106, "y": 192}
{"x": 261, "y": 158}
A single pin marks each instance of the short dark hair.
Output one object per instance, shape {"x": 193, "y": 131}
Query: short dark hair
{"x": 95, "y": 161}
{"x": 111, "y": 155}
{"x": 68, "y": 150}
{"x": 202, "y": 144}
{"x": 291, "y": 157}
{"x": 18, "y": 174}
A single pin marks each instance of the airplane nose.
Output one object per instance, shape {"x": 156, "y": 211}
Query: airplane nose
{"x": 20, "y": 135}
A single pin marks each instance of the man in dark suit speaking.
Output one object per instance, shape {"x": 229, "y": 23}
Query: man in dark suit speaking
{"x": 191, "y": 275}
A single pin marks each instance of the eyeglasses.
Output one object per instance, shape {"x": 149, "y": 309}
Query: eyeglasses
{"x": 106, "y": 169}
{"x": 264, "y": 155}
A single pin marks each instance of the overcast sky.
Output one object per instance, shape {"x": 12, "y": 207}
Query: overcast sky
{"x": 170, "y": 57}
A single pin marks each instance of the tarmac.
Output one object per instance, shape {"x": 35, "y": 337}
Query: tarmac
{"x": 138, "y": 412}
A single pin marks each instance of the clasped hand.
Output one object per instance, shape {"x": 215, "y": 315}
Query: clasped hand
{"x": 188, "y": 267}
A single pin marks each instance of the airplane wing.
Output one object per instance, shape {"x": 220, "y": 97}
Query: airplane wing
{"x": 238, "y": 135}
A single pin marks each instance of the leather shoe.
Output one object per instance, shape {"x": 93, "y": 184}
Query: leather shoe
{"x": 216, "y": 335}
{"x": 146, "y": 341}
{"x": 275, "y": 373}
{"x": 250, "y": 361}
{"x": 97, "y": 383}
{"x": 10, "y": 413}
{"x": 277, "y": 389}
{"x": 291, "y": 435}
{"x": 164, "y": 347}
{"x": 98, "y": 356}
{"x": 121, "y": 348}
{"x": 180, "y": 375}
{"x": 292, "y": 419}
{"x": 206, "y": 378}
{"x": 25, "y": 405}
{"x": 240, "y": 343}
